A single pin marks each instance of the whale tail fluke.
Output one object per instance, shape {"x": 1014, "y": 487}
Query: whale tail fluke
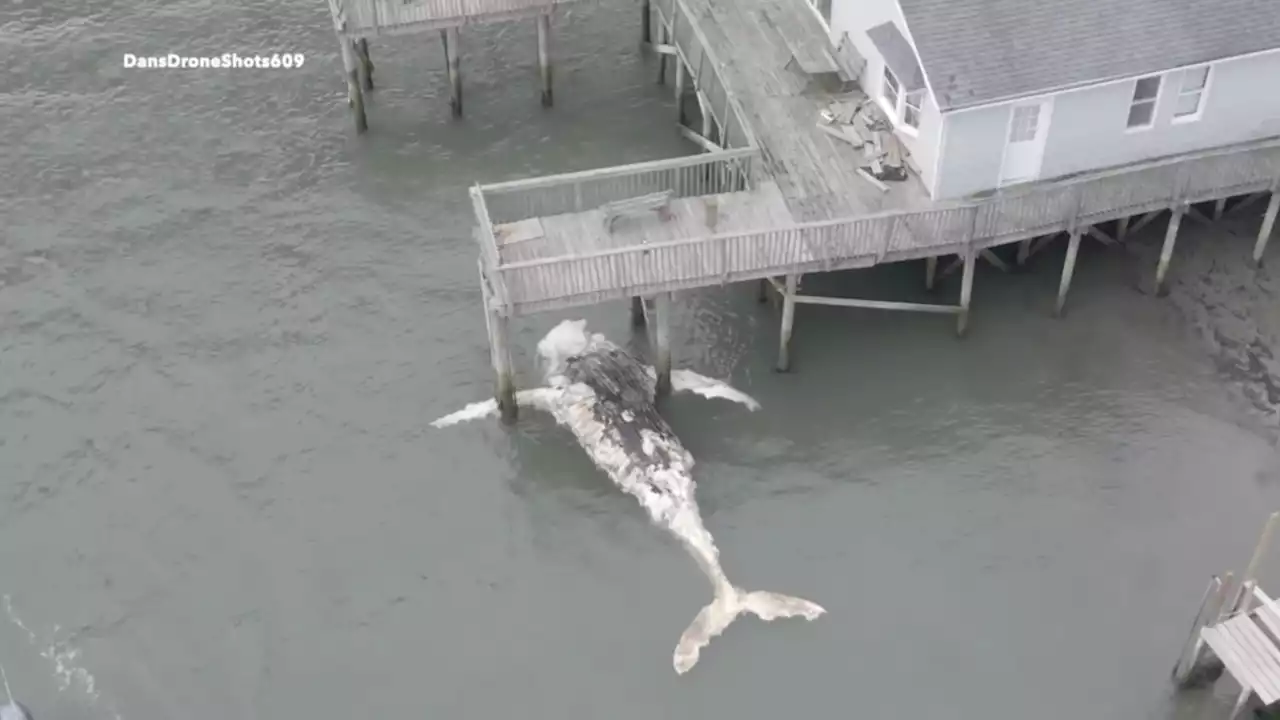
{"x": 728, "y": 604}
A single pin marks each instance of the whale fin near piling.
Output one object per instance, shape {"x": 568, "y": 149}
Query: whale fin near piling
{"x": 728, "y": 604}
{"x": 692, "y": 382}
{"x": 540, "y": 398}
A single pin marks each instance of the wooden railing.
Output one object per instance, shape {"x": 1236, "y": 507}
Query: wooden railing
{"x": 863, "y": 241}
{"x": 706, "y": 70}
{"x": 692, "y": 176}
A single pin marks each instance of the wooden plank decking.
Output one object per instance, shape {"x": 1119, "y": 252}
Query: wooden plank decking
{"x": 608, "y": 272}
{"x": 1249, "y": 655}
{"x": 1247, "y": 642}
{"x": 540, "y": 252}
{"x": 755, "y": 41}
{"x": 583, "y": 233}
{"x": 357, "y": 19}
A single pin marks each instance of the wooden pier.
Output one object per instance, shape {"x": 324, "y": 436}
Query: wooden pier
{"x": 1237, "y": 629}
{"x": 356, "y": 21}
{"x": 774, "y": 196}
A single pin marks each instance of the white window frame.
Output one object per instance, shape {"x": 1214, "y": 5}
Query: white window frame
{"x": 813, "y": 5}
{"x": 1200, "y": 93}
{"x": 896, "y": 108}
{"x": 1135, "y": 101}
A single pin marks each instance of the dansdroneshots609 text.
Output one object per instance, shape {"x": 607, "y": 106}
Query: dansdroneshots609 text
{"x": 232, "y": 61}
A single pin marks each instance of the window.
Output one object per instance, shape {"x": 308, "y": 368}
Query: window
{"x": 911, "y": 103}
{"x": 892, "y": 90}
{"x": 1191, "y": 93}
{"x": 903, "y": 108}
{"x": 823, "y": 7}
{"x": 1142, "y": 111}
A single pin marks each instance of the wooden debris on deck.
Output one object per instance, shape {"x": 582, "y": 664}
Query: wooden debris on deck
{"x": 520, "y": 231}
{"x": 860, "y": 123}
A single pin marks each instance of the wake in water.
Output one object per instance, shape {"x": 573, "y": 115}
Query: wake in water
{"x": 606, "y": 397}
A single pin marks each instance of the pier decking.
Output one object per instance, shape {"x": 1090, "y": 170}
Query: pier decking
{"x": 377, "y": 18}
{"x": 356, "y": 21}
{"x": 791, "y": 199}
{"x": 779, "y": 100}
{"x": 1237, "y": 629}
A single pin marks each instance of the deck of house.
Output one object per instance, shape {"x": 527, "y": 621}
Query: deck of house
{"x": 780, "y": 67}
{"x": 357, "y": 19}
{"x": 754, "y": 70}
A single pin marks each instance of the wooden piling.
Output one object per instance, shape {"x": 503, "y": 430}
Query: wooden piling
{"x": 1268, "y": 224}
{"x": 930, "y": 272}
{"x": 646, "y": 24}
{"x": 762, "y": 294}
{"x": 662, "y": 57}
{"x": 355, "y": 95}
{"x": 544, "y": 57}
{"x": 1251, "y": 570}
{"x": 366, "y": 64}
{"x": 966, "y": 291}
{"x": 1024, "y": 251}
{"x": 680, "y": 73}
{"x": 1190, "y": 670}
{"x": 1068, "y": 269}
{"x": 1219, "y": 206}
{"x": 1122, "y": 228}
{"x": 449, "y": 36}
{"x": 788, "y": 319}
{"x": 1166, "y": 251}
{"x": 662, "y": 341}
{"x": 637, "y": 311}
{"x": 500, "y": 355}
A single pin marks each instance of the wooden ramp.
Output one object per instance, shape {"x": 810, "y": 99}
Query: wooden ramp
{"x": 1249, "y": 646}
{"x": 1237, "y": 629}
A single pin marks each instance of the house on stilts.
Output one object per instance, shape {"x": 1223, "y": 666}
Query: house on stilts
{"x": 837, "y": 134}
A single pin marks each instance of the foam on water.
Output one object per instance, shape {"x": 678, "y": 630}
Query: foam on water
{"x": 63, "y": 656}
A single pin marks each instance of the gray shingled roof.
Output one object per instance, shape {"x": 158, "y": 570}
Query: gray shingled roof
{"x": 898, "y": 55}
{"x": 978, "y": 51}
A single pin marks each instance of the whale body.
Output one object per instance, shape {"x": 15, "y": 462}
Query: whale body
{"x": 606, "y": 397}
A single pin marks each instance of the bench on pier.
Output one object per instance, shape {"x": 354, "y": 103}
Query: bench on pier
{"x": 659, "y": 202}
{"x": 1248, "y": 644}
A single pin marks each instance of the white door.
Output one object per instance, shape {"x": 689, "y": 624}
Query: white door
{"x": 1024, "y": 141}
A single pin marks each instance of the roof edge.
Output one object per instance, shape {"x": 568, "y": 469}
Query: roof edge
{"x": 1062, "y": 89}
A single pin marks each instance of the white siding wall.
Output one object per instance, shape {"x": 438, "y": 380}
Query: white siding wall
{"x": 1087, "y": 130}
{"x": 855, "y": 17}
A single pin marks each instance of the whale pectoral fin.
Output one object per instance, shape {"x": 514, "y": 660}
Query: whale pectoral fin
{"x": 690, "y": 381}
{"x": 542, "y": 398}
